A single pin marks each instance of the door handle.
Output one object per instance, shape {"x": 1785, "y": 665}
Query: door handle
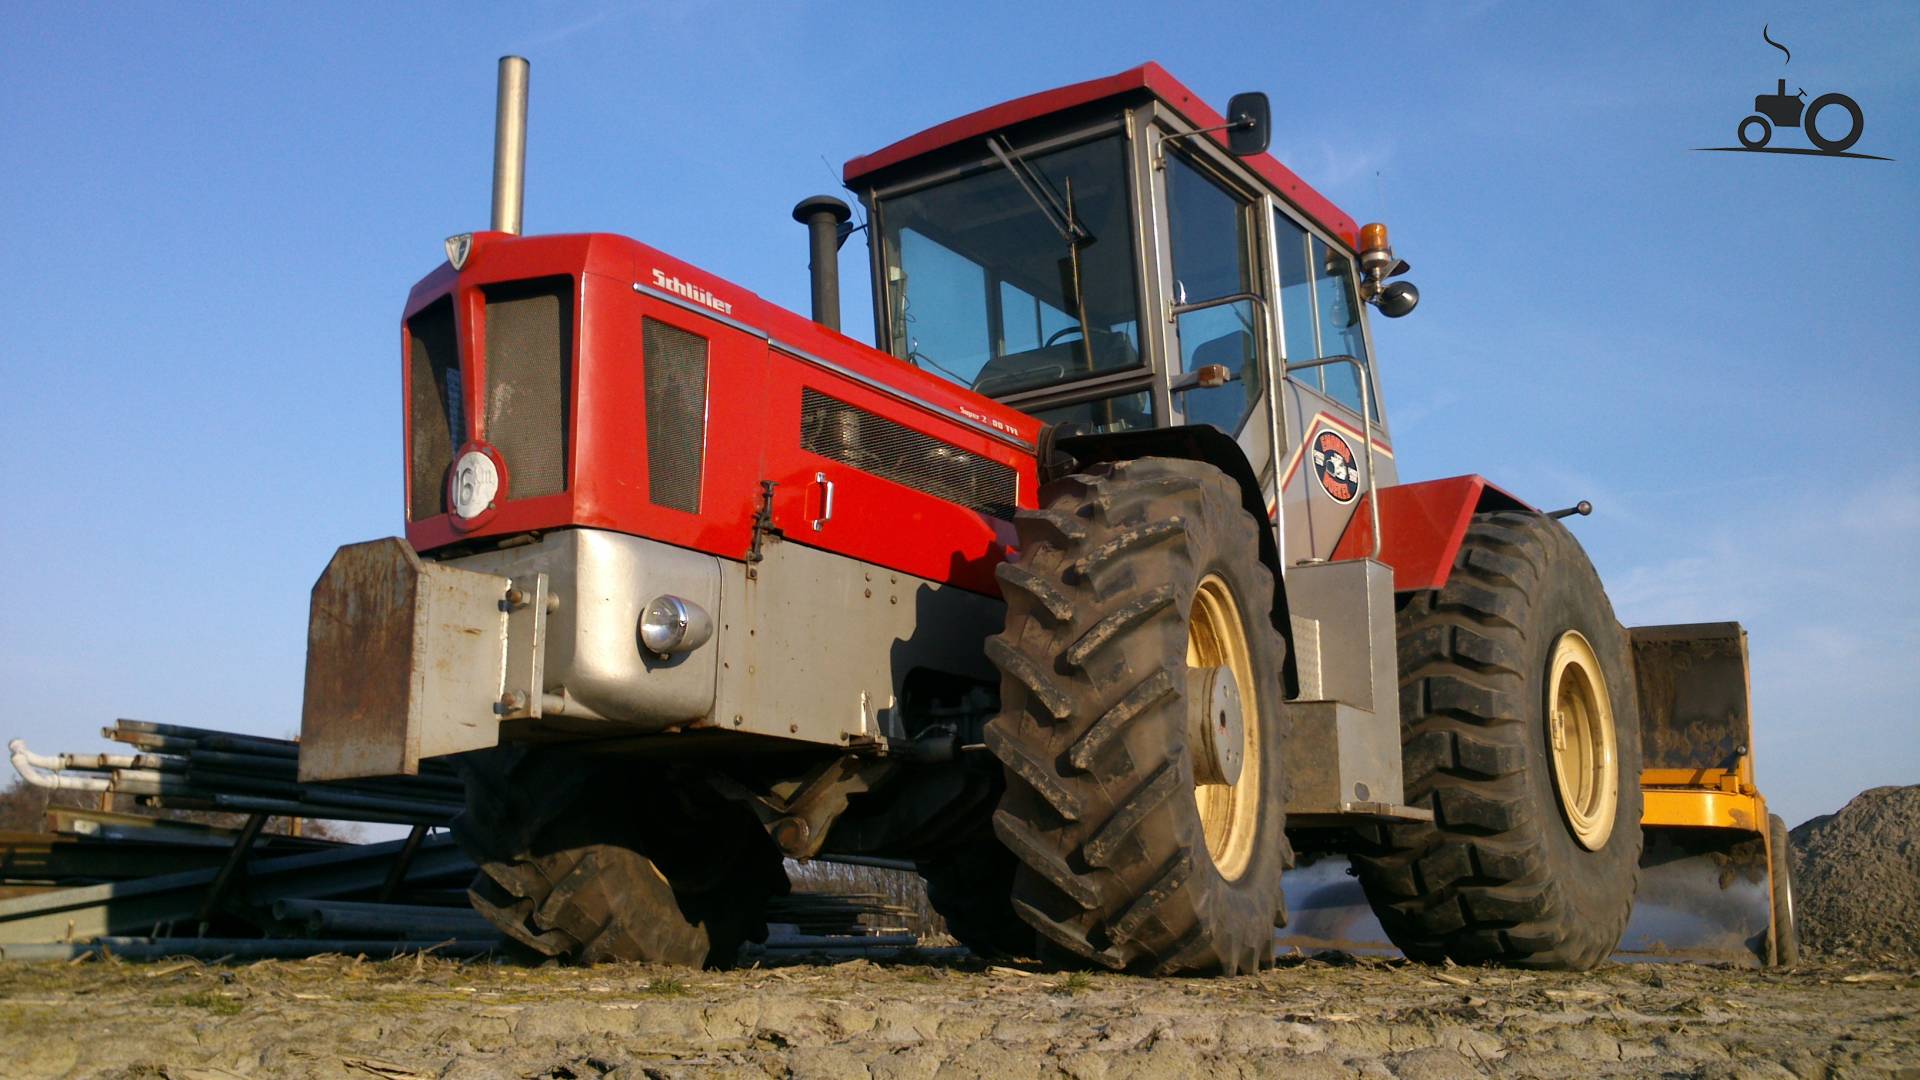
{"x": 825, "y": 487}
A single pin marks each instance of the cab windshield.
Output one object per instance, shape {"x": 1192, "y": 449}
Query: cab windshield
{"x": 984, "y": 285}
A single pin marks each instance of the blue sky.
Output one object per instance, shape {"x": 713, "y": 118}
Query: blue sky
{"x": 212, "y": 216}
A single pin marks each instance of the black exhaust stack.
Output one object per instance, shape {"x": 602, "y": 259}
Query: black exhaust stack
{"x": 823, "y": 215}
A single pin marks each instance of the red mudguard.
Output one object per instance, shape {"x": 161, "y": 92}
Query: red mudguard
{"x": 1421, "y": 526}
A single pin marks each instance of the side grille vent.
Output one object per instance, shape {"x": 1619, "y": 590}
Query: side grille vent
{"x": 529, "y": 360}
{"x": 872, "y": 443}
{"x": 675, "y": 378}
{"x": 436, "y": 414}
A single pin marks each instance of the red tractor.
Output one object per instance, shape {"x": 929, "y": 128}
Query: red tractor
{"x": 1091, "y": 594}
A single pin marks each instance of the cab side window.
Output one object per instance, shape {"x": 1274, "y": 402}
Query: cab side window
{"x": 1296, "y": 298}
{"x": 1320, "y": 312}
{"x": 1340, "y": 333}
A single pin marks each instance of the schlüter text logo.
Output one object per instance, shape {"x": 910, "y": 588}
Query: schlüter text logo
{"x": 668, "y": 283}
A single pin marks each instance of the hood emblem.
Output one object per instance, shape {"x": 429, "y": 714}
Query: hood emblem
{"x": 458, "y": 248}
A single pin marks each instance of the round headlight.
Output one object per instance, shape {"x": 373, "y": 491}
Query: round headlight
{"x": 672, "y": 625}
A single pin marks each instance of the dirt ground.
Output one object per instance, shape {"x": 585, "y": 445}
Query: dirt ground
{"x": 338, "y": 1017}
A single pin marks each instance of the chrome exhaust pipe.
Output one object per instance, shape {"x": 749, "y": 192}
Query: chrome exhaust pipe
{"x": 510, "y": 145}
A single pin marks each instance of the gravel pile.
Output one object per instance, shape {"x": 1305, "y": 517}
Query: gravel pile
{"x": 1856, "y": 877}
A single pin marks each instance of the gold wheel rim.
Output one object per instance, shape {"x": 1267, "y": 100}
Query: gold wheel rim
{"x": 1229, "y": 813}
{"x": 1581, "y": 741}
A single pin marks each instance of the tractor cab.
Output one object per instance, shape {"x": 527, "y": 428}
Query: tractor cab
{"x": 1116, "y": 256}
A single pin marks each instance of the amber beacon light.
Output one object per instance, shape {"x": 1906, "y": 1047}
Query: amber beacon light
{"x": 1377, "y": 264}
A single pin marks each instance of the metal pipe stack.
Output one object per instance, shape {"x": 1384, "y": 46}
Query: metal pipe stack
{"x": 199, "y": 890}
{"x": 176, "y": 767}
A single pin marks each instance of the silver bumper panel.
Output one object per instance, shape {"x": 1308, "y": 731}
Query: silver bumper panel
{"x": 409, "y": 658}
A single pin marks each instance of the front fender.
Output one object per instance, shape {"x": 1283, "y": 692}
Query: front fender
{"x": 1421, "y": 527}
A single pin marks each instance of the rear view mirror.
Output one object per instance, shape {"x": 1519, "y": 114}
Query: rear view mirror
{"x": 1397, "y": 299}
{"x": 1250, "y": 124}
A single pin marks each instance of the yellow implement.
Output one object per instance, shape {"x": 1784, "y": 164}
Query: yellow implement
{"x": 1714, "y": 882}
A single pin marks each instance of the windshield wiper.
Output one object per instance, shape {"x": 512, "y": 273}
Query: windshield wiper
{"x": 1064, "y": 222}
{"x": 1041, "y": 192}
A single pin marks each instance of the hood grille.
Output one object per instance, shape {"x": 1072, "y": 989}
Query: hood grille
{"x": 436, "y": 409}
{"x": 529, "y": 363}
{"x": 675, "y": 374}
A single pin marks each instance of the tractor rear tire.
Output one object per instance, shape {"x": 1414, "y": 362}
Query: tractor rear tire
{"x": 1530, "y": 861}
{"x": 1132, "y": 570}
{"x": 971, "y": 887}
{"x": 1784, "y": 938}
{"x": 1844, "y": 142}
{"x": 585, "y": 866}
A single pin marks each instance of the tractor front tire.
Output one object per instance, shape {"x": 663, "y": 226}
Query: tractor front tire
{"x": 590, "y": 903}
{"x": 971, "y": 887}
{"x": 1148, "y": 839}
{"x": 1520, "y": 731}
{"x": 578, "y": 865}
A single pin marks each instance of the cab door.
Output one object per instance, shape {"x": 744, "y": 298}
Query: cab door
{"x": 1214, "y": 286}
{"x": 1325, "y": 434}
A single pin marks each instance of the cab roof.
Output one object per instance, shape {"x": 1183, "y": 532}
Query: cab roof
{"x": 1149, "y": 78}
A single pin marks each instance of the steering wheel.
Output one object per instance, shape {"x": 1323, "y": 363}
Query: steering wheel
{"x": 1057, "y": 334}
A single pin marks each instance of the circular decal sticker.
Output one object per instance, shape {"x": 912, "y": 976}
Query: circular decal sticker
{"x": 1333, "y": 463}
{"x": 474, "y": 484}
